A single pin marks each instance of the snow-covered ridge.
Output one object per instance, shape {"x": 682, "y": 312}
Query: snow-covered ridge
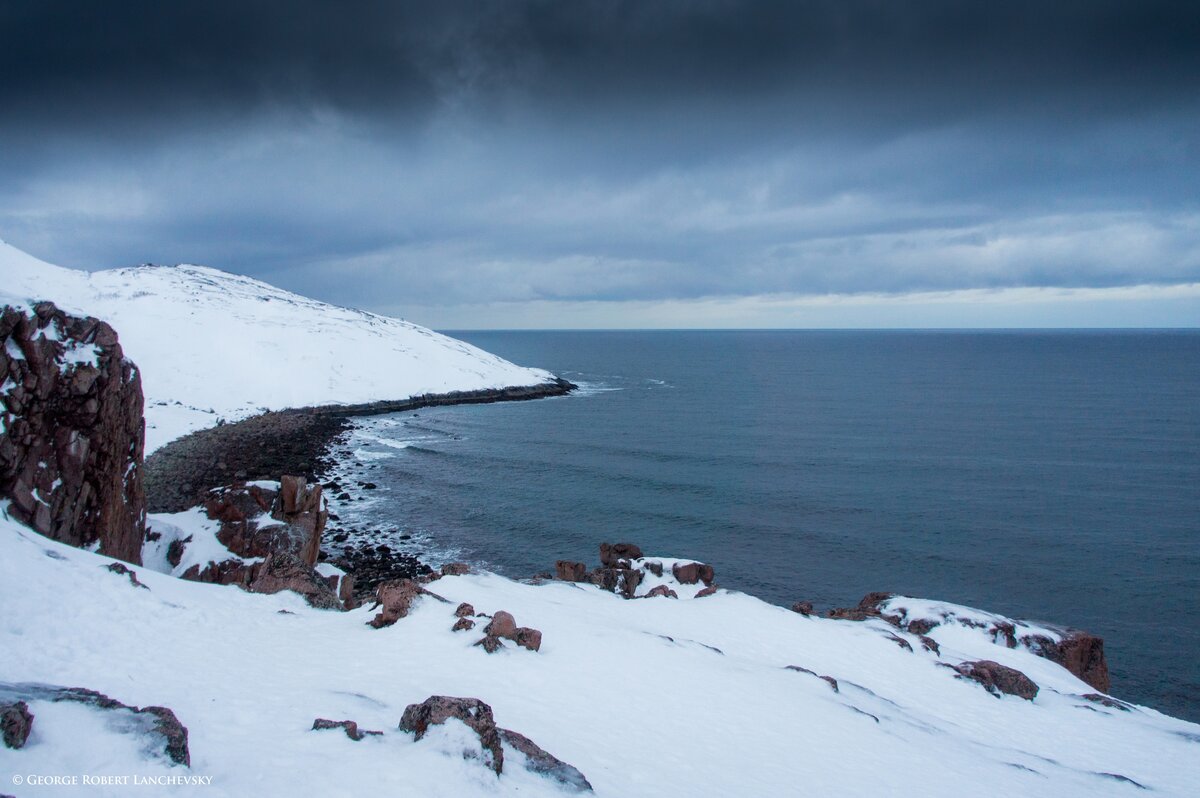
{"x": 213, "y": 345}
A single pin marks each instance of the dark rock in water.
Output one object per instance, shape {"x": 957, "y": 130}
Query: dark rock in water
{"x": 832, "y": 682}
{"x": 570, "y": 571}
{"x": 15, "y": 723}
{"x": 158, "y": 721}
{"x": 611, "y": 554}
{"x": 539, "y": 761}
{"x": 1079, "y": 652}
{"x": 455, "y": 569}
{"x": 72, "y": 435}
{"x": 348, "y": 726}
{"x": 661, "y": 590}
{"x": 803, "y": 607}
{"x": 474, "y": 713}
{"x": 997, "y": 678}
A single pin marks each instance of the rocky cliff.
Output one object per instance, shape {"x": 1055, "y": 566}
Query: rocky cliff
{"x": 71, "y": 430}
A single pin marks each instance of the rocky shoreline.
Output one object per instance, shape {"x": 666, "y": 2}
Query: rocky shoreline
{"x": 301, "y": 441}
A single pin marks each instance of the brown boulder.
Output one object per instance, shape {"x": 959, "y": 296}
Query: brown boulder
{"x": 707, "y": 591}
{"x": 692, "y": 572}
{"x": 455, "y": 569}
{"x": 464, "y": 610}
{"x": 569, "y": 571}
{"x": 474, "y": 713}
{"x": 463, "y": 625}
{"x": 503, "y": 624}
{"x": 661, "y": 590}
{"x": 803, "y": 607}
{"x": 285, "y": 571}
{"x": 615, "y": 555}
{"x": 396, "y": 598}
{"x": 15, "y": 723}
{"x": 997, "y": 678}
{"x": 528, "y": 638}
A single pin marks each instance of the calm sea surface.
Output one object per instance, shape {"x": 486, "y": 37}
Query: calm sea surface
{"x": 1047, "y": 475}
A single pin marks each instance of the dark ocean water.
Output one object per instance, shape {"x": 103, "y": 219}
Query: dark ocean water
{"x": 1046, "y": 475}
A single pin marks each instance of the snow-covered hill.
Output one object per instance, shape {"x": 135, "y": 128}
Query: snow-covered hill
{"x": 213, "y": 345}
{"x": 647, "y": 697}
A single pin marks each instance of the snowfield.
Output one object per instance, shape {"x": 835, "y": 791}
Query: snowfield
{"x": 646, "y": 697}
{"x": 213, "y": 345}
{"x": 700, "y": 695}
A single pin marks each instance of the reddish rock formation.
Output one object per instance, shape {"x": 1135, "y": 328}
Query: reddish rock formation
{"x": 617, "y": 580}
{"x": 661, "y": 590}
{"x": 474, "y": 713}
{"x": 1079, "y": 652}
{"x": 569, "y": 571}
{"x": 869, "y": 607}
{"x": 464, "y": 610}
{"x": 455, "y": 569}
{"x": 491, "y": 644}
{"x": 243, "y": 512}
{"x": 692, "y": 572}
{"x": 528, "y": 638}
{"x": 803, "y": 607}
{"x": 285, "y": 571}
{"x": 348, "y": 726}
{"x": 72, "y": 434}
{"x": 118, "y": 568}
{"x": 503, "y": 624}
{"x": 997, "y": 678}
{"x": 539, "y": 761}
{"x": 612, "y": 555}
{"x": 15, "y": 723}
{"x": 463, "y": 625}
{"x": 396, "y": 598}
{"x": 707, "y": 591}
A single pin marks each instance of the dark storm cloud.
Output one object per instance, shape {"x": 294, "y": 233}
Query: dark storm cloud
{"x": 467, "y": 152}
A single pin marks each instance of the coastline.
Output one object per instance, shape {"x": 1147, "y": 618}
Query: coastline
{"x": 292, "y": 441}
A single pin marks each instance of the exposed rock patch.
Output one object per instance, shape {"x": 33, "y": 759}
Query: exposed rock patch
{"x": 348, "y": 726}
{"x": 15, "y": 723}
{"x": 997, "y": 679}
{"x": 157, "y": 721}
{"x": 541, "y": 762}
{"x": 72, "y": 434}
{"x": 474, "y": 713}
{"x": 396, "y": 599}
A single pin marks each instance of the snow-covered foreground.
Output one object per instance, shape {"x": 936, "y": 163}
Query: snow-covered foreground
{"x": 646, "y": 697}
{"x": 213, "y": 345}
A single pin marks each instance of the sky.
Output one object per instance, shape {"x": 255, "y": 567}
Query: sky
{"x": 513, "y": 164}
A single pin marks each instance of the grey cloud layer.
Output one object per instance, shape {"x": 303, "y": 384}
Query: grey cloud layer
{"x": 460, "y": 153}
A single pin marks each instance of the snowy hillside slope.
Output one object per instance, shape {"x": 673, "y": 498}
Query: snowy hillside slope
{"x": 213, "y": 345}
{"x": 646, "y": 697}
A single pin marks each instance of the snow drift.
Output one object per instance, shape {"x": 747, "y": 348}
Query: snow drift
{"x": 217, "y": 346}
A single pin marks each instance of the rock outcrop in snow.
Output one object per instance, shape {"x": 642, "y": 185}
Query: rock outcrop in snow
{"x": 71, "y": 430}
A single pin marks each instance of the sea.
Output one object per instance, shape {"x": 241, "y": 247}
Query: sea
{"x": 1046, "y": 475}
